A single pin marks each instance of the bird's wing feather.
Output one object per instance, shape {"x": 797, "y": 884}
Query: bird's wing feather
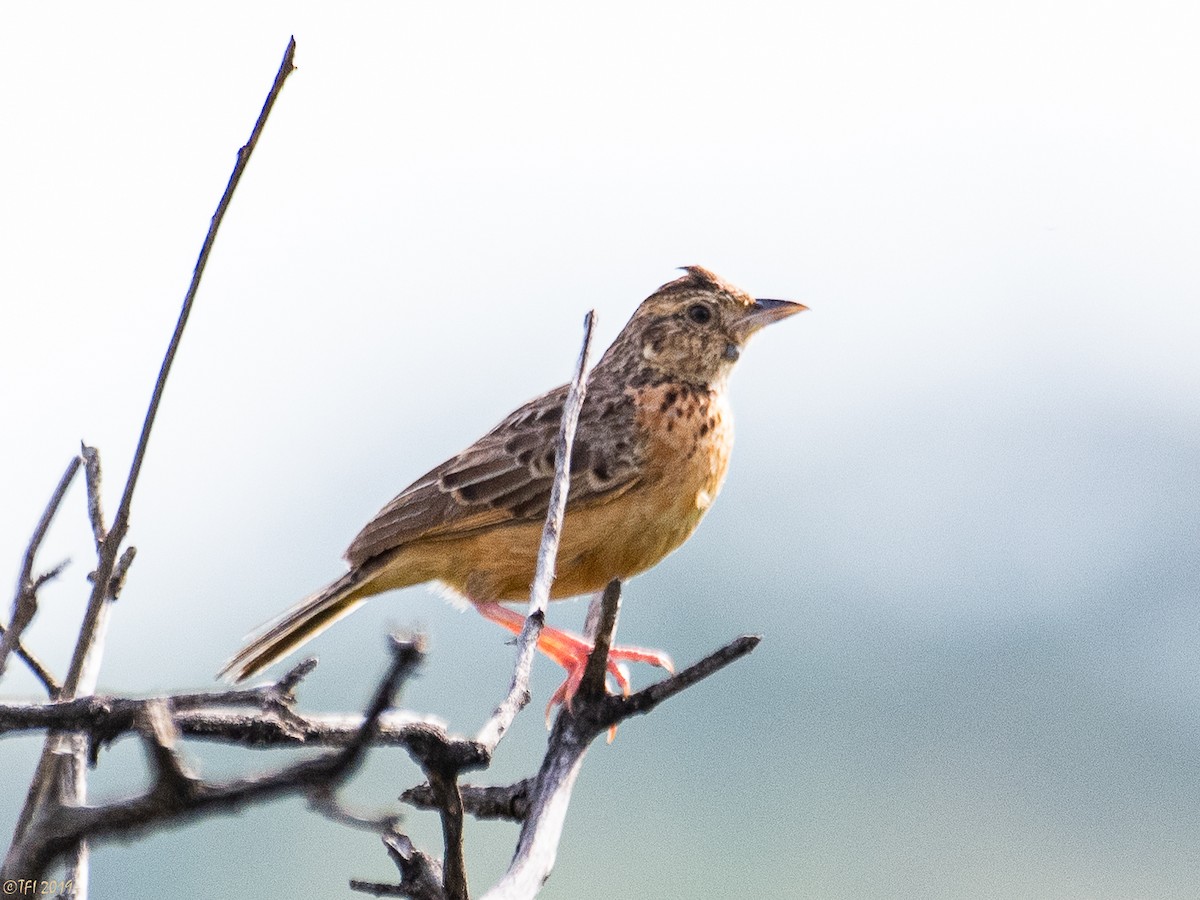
{"x": 507, "y": 474}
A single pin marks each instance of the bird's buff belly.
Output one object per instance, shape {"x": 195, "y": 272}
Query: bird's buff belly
{"x": 615, "y": 540}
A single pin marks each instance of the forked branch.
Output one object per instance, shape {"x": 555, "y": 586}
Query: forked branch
{"x": 176, "y": 793}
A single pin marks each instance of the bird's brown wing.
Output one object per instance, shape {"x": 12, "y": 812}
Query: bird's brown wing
{"x": 506, "y": 475}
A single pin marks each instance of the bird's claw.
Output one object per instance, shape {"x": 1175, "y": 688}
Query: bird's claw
{"x": 576, "y": 664}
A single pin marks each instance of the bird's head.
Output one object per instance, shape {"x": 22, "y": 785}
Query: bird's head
{"x": 693, "y": 328}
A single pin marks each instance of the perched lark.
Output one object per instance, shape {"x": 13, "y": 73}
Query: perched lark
{"x": 650, "y": 453}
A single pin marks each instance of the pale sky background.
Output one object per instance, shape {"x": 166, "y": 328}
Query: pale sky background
{"x": 963, "y": 509}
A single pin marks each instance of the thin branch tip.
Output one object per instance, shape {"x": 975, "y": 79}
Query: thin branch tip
{"x": 408, "y": 642}
{"x": 24, "y": 606}
{"x": 291, "y": 679}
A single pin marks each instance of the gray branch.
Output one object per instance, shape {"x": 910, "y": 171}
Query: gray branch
{"x": 518, "y": 693}
{"x": 508, "y": 802}
{"x": 541, "y": 829}
{"x": 61, "y": 767}
{"x": 177, "y": 794}
{"x": 24, "y": 606}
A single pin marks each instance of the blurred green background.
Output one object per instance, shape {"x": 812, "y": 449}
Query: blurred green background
{"x": 963, "y": 507}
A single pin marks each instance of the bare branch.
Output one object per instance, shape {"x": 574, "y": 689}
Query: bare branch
{"x": 213, "y": 715}
{"x": 291, "y": 679}
{"x": 325, "y": 801}
{"x": 592, "y": 683}
{"x": 641, "y": 702}
{"x": 509, "y": 802}
{"x": 25, "y": 600}
{"x": 258, "y": 717}
{"x": 121, "y": 521}
{"x": 450, "y": 808}
{"x": 161, "y": 734}
{"x": 442, "y": 758}
{"x": 176, "y": 794}
{"x": 518, "y": 693}
{"x": 36, "y": 666}
{"x": 117, "y": 583}
{"x": 574, "y": 730}
{"x": 552, "y": 529}
{"x": 254, "y": 730}
{"x": 541, "y": 828}
{"x": 422, "y": 875}
{"x": 92, "y": 471}
{"x": 381, "y": 889}
{"x": 264, "y": 724}
{"x": 50, "y": 574}
{"x": 85, "y": 661}
{"x": 64, "y": 756}
{"x": 120, "y": 525}
{"x": 43, "y": 525}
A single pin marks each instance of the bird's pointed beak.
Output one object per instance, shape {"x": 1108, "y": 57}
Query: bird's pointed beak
{"x": 764, "y": 312}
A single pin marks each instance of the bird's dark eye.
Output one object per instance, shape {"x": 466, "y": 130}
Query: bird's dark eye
{"x": 699, "y": 313}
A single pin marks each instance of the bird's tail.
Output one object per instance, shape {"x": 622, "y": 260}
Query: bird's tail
{"x": 298, "y": 625}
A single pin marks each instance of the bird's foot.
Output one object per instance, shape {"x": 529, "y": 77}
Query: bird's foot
{"x": 571, "y": 651}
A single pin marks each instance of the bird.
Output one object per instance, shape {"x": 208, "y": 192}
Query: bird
{"x": 650, "y": 454}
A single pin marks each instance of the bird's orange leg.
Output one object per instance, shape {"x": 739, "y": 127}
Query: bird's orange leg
{"x": 571, "y": 652}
